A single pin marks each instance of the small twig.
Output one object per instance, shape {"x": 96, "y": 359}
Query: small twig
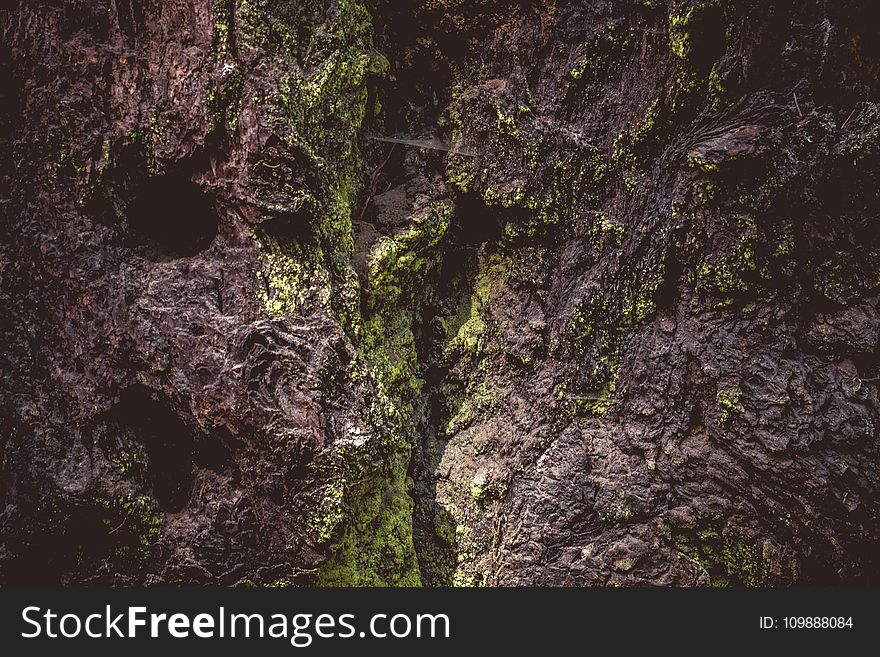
{"x": 431, "y": 144}
{"x": 797, "y": 105}
{"x": 848, "y": 118}
{"x": 119, "y": 526}
{"x": 374, "y": 177}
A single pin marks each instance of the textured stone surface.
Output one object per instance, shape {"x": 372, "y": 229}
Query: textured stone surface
{"x": 632, "y": 340}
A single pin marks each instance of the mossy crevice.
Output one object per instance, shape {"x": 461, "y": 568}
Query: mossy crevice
{"x": 308, "y": 180}
{"x": 316, "y": 113}
{"x": 376, "y": 545}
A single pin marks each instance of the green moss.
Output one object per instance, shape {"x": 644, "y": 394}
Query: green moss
{"x": 639, "y": 298}
{"x": 703, "y": 165}
{"x": 311, "y": 179}
{"x": 601, "y": 319}
{"x": 731, "y": 561}
{"x": 716, "y": 87}
{"x": 376, "y": 546}
{"x": 578, "y": 71}
{"x": 683, "y": 86}
{"x": 551, "y": 208}
{"x": 624, "y": 565}
{"x": 465, "y": 338}
{"x": 694, "y": 26}
{"x": 461, "y": 178}
{"x": 506, "y": 125}
{"x": 467, "y": 550}
{"x": 597, "y": 328}
{"x": 464, "y": 406}
{"x": 686, "y": 16}
{"x": 316, "y": 111}
{"x": 602, "y": 51}
{"x": 466, "y": 329}
{"x": 130, "y": 457}
{"x": 586, "y": 320}
{"x": 330, "y": 514}
{"x": 604, "y": 227}
{"x": 590, "y": 403}
{"x": 463, "y": 313}
{"x": 623, "y": 513}
{"x": 134, "y": 518}
{"x": 724, "y": 276}
{"x": 479, "y": 491}
{"x": 292, "y": 276}
{"x": 727, "y": 271}
{"x": 376, "y": 549}
{"x": 281, "y": 583}
{"x": 399, "y": 285}
{"x": 680, "y": 20}
{"x": 399, "y": 266}
{"x": 728, "y": 401}
{"x": 628, "y": 148}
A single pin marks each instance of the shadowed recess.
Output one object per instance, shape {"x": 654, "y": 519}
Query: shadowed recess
{"x": 174, "y": 215}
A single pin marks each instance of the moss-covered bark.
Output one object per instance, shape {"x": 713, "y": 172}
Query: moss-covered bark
{"x": 618, "y": 325}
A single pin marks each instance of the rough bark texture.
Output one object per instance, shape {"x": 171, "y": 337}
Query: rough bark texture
{"x": 616, "y": 324}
